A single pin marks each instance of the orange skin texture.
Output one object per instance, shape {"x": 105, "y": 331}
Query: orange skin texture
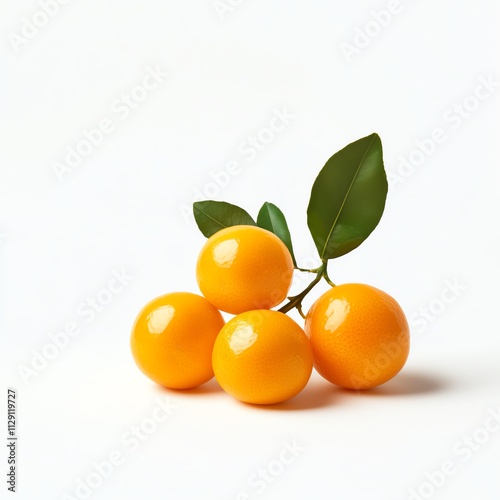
{"x": 243, "y": 268}
{"x": 262, "y": 357}
{"x": 359, "y": 335}
{"x": 173, "y": 337}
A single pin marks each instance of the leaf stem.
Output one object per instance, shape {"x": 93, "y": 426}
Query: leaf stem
{"x": 307, "y": 270}
{"x": 296, "y": 300}
{"x": 299, "y": 308}
{"x": 327, "y": 278}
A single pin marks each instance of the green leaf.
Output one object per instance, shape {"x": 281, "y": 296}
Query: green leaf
{"x": 348, "y": 198}
{"x": 271, "y": 218}
{"x": 212, "y": 216}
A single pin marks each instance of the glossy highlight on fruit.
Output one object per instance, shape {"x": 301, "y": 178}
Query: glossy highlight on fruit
{"x": 173, "y": 337}
{"x": 242, "y": 268}
{"x": 359, "y": 336}
{"x": 262, "y": 357}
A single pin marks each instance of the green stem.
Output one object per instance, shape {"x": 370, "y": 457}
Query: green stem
{"x": 307, "y": 270}
{"x": 327, "y": 278}
{"x": 296, "y": 300}
{"x": 299, "y": 308}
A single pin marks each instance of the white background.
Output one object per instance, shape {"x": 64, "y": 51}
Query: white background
{"x": 122, "y": 208}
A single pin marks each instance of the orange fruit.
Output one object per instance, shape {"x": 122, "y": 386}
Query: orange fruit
{"x": 242, "y": 268}
{"x": 173, "y": 337}
{"x": 359, "y": 336}
{"x": 262, "y": 357}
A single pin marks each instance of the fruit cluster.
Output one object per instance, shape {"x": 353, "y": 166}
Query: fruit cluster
{"x": 355, "y": 335}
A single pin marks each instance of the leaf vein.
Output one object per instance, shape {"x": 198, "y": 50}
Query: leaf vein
{"x": 345, "y": 197}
